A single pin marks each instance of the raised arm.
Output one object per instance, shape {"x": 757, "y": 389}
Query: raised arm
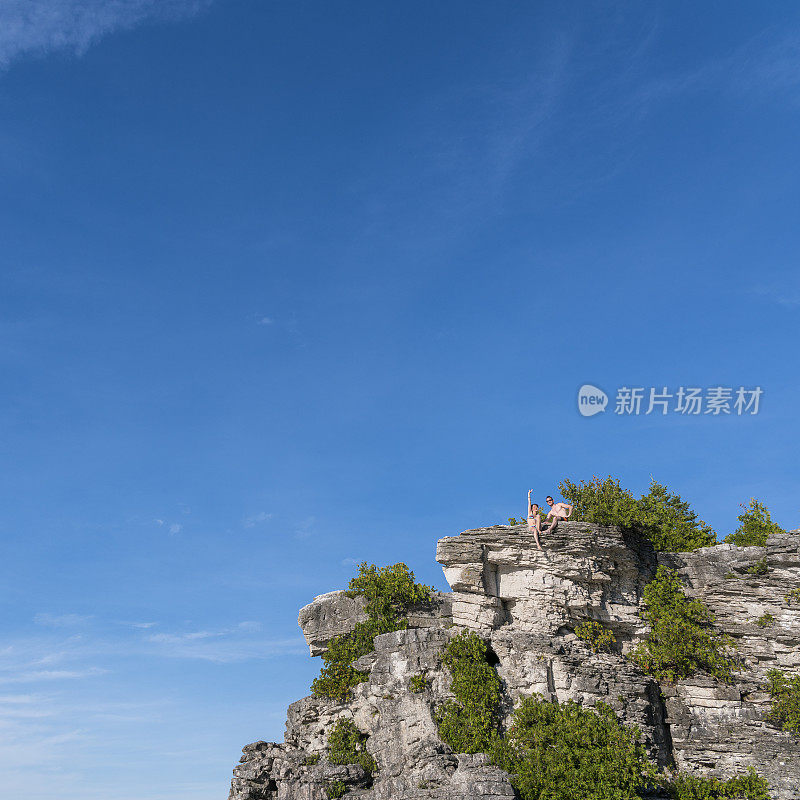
{"x": 529, "y": 502}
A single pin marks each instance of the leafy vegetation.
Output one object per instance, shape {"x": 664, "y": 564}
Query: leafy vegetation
{"x": 515, "y": 521}
{"x": 765, "y": 620}
{"x": 759, "y": 568}
{"x": 785, "y": 693}
{"x": 389, "y": 593}
{"x": 755, "y": 524}
{"x": 750, "y": 786}
{"x": 336, "y": 789}
{"x": 682, "y": 640}
{"x": 347, "y": 745}
{"x": 792, "y": 596}
{"x": 669, "y": 522}
{"x": 417, "y": 684}
{"x": 602, "y": 502}
{"x": 558, "y": 752}
{"x": 667, "y": 519}
{"x": 470, "y": 723}
{"x": 311, "y": 760}
{"x": 338, "y": 676}
{"x": 596, "y": 635}
{"x": 564, "y": 752}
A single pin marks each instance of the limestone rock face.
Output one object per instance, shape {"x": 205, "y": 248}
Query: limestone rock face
{"x": 723, "y": 728}
{"x": 336, "y": 613}
{"x": 499, "y": 577}
{"x": 328, "y": 616}
{"x": 527, "y": 603}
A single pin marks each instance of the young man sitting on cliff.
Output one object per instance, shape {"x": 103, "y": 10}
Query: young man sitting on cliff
{"x": 534, "y": 519}
{"x": 557, "y": 511}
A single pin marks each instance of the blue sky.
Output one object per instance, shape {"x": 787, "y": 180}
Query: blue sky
{"x": 288, "y": 286}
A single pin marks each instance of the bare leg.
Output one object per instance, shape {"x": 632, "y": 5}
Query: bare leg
{"x": 553, "y": 525}
{"x": 533, "y": 527}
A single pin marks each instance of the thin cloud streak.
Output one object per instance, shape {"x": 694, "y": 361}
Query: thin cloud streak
{"x": 256, "y": 519}
{"x": 39, "y": 27}
{"x": 48, "y": 658}
{"x": 139, "y": 625}
{"x": 61, "y": 620}
{"x": 36, "y": 676}
{"x": 783, "y": 295}
{"x": 226, "y": 645}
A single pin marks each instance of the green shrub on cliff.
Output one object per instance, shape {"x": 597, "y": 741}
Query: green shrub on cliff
{"x": 759, "y": 568}
{"x": 347, "y": 745}
{"x": 785, "y": 693}
{"x": 565, "y": 752}
{"x": 601, "y": 502}
{"x": 335, "y": 790}
{"x": 338, "y": 676}
{"x": 792, "y": 596}
{"x": 669, "y": 522}
{"x": 389, "y": 593}
{"x": 557, "y": 752}
{"x": 597, "y": 636}
{"x": 562, "y": 751}
{"x": 750, "y": 786}
{"x": 470, "y": 723}
{"x": 682, "y": 640}
{"x": 755, "y": 524}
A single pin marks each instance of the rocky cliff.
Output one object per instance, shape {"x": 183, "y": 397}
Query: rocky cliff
{"x": 527, "y": 603}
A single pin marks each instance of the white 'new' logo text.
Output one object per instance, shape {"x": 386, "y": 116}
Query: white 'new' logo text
{"x": 591, "y": 400}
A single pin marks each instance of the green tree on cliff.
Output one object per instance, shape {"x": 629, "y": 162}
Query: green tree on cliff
{"x": 667, "y": 519}
{"x": 389, "y": 593}
{"x": 755, "y": 524}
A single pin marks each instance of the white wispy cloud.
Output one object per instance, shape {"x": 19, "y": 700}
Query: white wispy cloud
{"x": 38, "y": 27}
{"x": 140, "y": 625}
{"x": 786, "y": 295}
{"x": 61, "y": 620}
{"x": 17, "y": 699}
{"x": 36, "y": 676}
{"x": 305, "y": 528}
{"x": 527, "y": 112}
{"x": 224, "y": 645}
{"x": 765, "y": 66}
{"x": 42, "y": 736}
{"x": 266, "y": 321}
{"x": 53, "y": 657}
{"x": 172, "y": 528}
{"x": 256, "y": 519}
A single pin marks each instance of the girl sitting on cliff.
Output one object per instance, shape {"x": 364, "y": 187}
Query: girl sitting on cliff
{"x": 534, "y": 519}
